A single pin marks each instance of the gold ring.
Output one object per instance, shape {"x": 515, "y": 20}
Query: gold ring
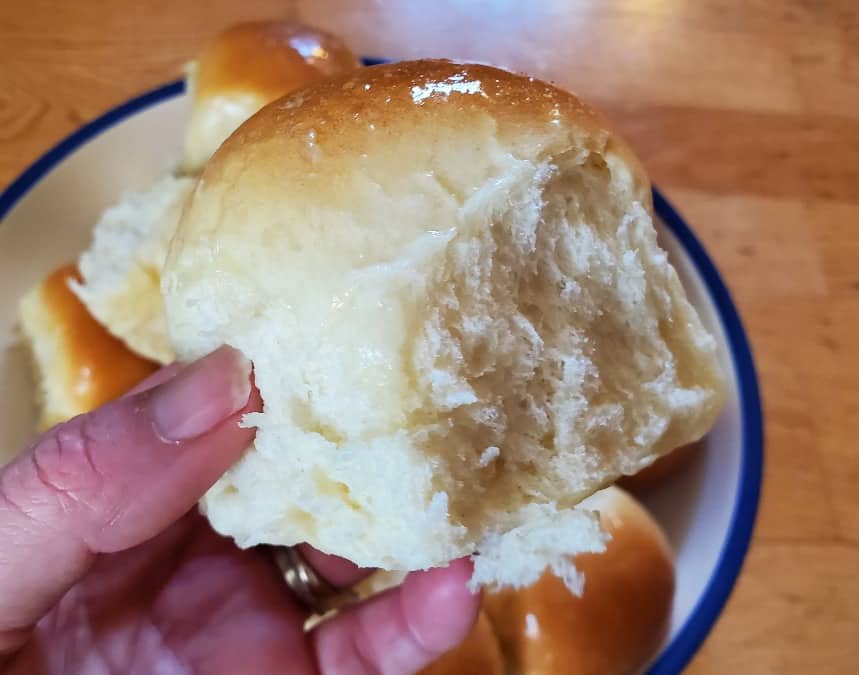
{"x": 316, "y": 595}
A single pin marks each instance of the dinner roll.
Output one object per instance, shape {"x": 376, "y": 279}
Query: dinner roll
{"x": 621, "y": 619}
{"x": 461, "y": 324}
{"x": 121, "y": 270}
{"x": 247, "y": 66}
{"x": 664, "y": 467}
{"x": 77, "y": 364}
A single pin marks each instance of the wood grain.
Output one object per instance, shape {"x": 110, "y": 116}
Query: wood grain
{"x": 746, "y": 114}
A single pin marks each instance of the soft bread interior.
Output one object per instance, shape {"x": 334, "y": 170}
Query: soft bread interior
{"x": 122, "y": 268}
{"x": 461, "y": 325}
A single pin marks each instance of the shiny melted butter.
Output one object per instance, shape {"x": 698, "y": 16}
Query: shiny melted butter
{"x": 269, "y": 58}
{"x": 99, "y": 367}
{"x": 458, "y": 84}
{"x": 532, "y": 626}
{"x": 310, "y": 47}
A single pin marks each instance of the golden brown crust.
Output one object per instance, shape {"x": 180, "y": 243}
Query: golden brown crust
{"x": 619, "y": 622}
{"x": 342, "y": 112}
{"x": 92, "y": 366}
{"x": 268, "y": 58}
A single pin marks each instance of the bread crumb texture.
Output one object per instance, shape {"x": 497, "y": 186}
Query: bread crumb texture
{"x": 121, "y": 270}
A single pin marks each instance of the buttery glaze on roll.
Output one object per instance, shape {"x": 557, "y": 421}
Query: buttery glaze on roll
{"x": 77, "y": 363}
{"x": 619, "y": 622}
{"x": 247, "y": 66}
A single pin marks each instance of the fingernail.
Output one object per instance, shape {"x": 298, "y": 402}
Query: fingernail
{"x": 201, "y": 396}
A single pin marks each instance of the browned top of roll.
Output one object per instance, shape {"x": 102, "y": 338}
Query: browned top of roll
{"x": 620, "y": 621}
{"x": 101, "y": 367}
{"x": 269, "y": 58}
{"x": 400, "y": 98}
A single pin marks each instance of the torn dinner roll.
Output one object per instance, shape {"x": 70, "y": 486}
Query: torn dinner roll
{"x": 461, "y": 323}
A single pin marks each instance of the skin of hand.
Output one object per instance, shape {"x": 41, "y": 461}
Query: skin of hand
{"x": 106, "y": 567}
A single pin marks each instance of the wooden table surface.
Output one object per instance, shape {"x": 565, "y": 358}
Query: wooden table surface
{"x": 746, "y": 113}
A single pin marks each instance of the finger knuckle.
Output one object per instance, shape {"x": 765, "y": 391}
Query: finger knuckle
{"x": 63, "y": 463}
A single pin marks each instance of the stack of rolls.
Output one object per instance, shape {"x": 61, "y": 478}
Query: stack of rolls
{"x": 96, "y": 328}
{"x": 463, "y": 185}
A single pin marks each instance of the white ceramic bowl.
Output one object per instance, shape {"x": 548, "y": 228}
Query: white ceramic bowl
{"x": 708, "y": 509}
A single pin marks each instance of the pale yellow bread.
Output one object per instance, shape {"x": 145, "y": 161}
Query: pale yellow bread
{"x": 77, "y": 364}
{"x": 461, "y": 323}
{"x": 121, "y": 270}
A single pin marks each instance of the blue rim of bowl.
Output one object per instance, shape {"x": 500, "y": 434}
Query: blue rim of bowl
{"x": 680, "y": 650}
{"x": 718, "y": 589}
